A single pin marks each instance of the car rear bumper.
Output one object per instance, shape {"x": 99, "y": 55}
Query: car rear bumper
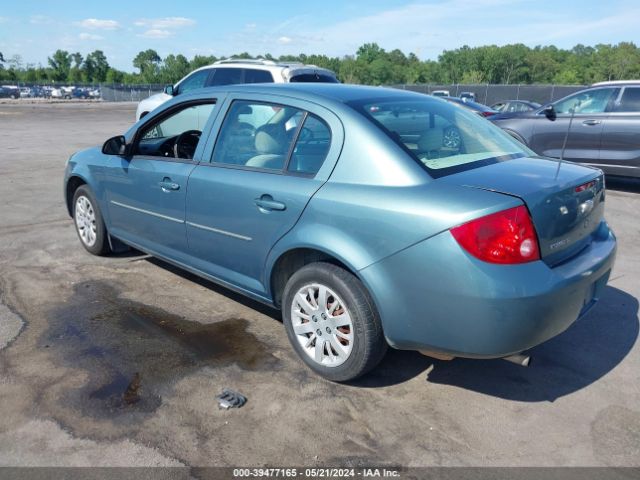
{"x": 434, "y": 296}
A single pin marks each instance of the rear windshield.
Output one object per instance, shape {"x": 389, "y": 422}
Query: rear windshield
{"x": 444, "y": 138}
{"x": 314, "y": 78}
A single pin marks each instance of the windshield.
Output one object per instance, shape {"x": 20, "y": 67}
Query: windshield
{"x": 445, "y": 138}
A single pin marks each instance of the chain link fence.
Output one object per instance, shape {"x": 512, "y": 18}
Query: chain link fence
{"x": 490, "y": 94}
{"x": 128, "y": 93}
{"x": 484, "y": 93}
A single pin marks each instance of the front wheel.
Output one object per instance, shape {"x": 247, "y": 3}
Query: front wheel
{"x": 332, "y": 323}
{"x": 88, "y": 221}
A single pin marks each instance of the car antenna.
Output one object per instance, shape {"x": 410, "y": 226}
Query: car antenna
{"x": 566, "y": 135}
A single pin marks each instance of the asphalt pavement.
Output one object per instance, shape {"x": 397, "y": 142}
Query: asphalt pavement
{"x": 117, "y": 361}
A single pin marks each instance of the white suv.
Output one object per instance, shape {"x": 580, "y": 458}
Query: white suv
{"x": 227, "y": 72}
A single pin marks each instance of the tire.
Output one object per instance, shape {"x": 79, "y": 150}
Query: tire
{"x": 350, "y": 330}
{"x": 88, "y": 221}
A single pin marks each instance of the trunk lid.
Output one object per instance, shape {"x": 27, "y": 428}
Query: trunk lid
{"x": 565, "y": 200}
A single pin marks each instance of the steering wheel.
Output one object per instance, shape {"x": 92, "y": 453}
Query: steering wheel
{"x": 186, "y": 143}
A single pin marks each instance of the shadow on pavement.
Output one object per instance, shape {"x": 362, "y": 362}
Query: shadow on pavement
{"x": 219, "y": 289}
{"x": 623, "y": 184}
{"x": 588, "y": 350}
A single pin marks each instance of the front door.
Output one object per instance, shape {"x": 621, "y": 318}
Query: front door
{"x": 590, "y": 109}
{"x": 146, "y": 192}
{"x": 264, "y": 171}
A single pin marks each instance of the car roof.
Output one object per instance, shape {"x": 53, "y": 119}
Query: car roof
{"x": 617, "y": 82}
{"x": 267, "y": 65}
{"x": 312, "y": 91}
{"x": 473, "y": 105}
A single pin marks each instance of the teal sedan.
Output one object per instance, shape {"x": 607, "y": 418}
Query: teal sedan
{"x": 370, "y": 217}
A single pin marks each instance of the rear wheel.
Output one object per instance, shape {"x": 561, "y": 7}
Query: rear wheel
{"x": 332, "y": 323}
{"x": 88, "y": 221}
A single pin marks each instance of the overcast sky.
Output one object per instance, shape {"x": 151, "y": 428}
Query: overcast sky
{"x": 121, "y": 28}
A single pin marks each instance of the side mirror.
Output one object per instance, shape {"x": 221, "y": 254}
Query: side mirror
{"x": 115, "y": 146}
{"x": 549, "y": 112}
{"x": 168, "y": 89}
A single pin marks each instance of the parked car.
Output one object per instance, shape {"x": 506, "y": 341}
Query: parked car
{"x": 604, "y": 131}
{"x": 10, "y": 91}
{"x": 441, "y": 93}
{"x": 231, "y": 72}
{"x": 26, "y": 92}
{"x": 363, "y": 232}
{"x": 467, "y": 96}
{"x": 62, "y": 92}
{"x": 479, "y": 108}
{"x": 515, "y": 106}
{"x": 80, "y": 93}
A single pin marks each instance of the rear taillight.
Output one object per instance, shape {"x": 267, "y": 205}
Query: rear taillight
{"x": 487, "y": 114}
{"x": 505, "y": 237}
{"x": 585, "y": 186}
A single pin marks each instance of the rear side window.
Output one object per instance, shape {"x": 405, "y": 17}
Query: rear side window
{"x": 257, "y": 135}
{"x": 311, "y": 147}
{"x": 227, "y": 76}
{"x": 269, "y": 136}
{"x": 257, "y": 76}
{"x": 313, "y": 77}
{"x": 630, "y": 101}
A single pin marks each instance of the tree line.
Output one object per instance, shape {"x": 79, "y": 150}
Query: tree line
{"x": 371, "y": 64}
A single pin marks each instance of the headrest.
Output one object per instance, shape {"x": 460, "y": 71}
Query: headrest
{"x": 430, "y": 140}
{"x": 271, "y": 138}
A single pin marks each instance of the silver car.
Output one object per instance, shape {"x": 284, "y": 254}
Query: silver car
{"x": 230, "y": 72}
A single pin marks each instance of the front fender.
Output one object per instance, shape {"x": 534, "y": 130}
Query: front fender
{"x": 86, "y": 166}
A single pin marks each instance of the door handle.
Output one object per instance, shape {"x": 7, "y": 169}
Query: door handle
{"x": 592, "y": 122}
{"x": 266, "y": 202}
{"x": 167, "y": 185}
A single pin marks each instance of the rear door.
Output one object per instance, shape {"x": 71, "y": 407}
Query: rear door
{"x": 271, "y": 155}
{"x": 620, "y": 150}
{"x": 583, "y": 141}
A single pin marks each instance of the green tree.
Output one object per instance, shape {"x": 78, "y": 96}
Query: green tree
{"x": 148, "y": 62}
{"x": 96, "y": 67}
{"x": 201, "y": 61}
{"x": 175, "y": 67}
{"x": 60, "y": 63}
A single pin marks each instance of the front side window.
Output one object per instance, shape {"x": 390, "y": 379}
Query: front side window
{"x": 598, "y": 100}
{"x": 630, "y": 101}
{"x": 443, "y": 137}
{"x": 194, "y": 81}
{"x": 175, "y": 136}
